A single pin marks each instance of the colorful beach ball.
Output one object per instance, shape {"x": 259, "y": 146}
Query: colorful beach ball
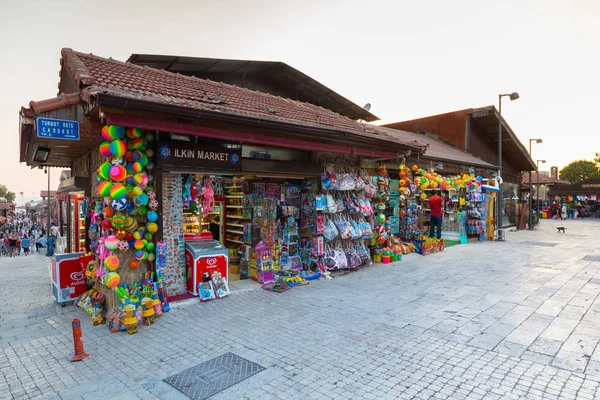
{"x": 120, "y": 204}
{"x": 141, "y": 200}
{"x": 137, "y": 191}
{"x": 111, "y": 263}
{"x": 123, "y": 245}
{"x": 151, "y": 257}
{"x": 105, "y": 149}
{"x": 104, "y": 188}
{"x": 141, "y": 179}
{"x": 112, "y": 280}
{"x": 134, "y": 133}
{"x": 118, "y": 148}
{"x": 118, "y": 173}
{"x": 137, "y": 166}
{"x": 112, "y": 132}
{"x": 153, "y": 204}
{"x": 104, "y": 170}
{"x": 111, "y": 242}
{"x": 118, "y": 191}
{"x": 118, "y": 221}
{"x": 134, "y": 264}
{"x": 141, "y": 255}
{"x": 130, "y": 224}
{"x": 139, "y": 244}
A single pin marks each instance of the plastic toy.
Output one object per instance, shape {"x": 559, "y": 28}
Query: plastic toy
{"x": 111, "y": 263}
{"x": 118, "y": 191}
{"x": 104, "y": 188}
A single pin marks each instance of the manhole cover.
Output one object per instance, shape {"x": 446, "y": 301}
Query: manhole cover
{"x": 213, "y": 376}
{"x": 543, "y": 244}
{"x": 591, "y": 258}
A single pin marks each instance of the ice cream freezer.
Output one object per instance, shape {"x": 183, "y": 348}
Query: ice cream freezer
{"x": 68, "y": 277}
{"x": 204, "y": 256}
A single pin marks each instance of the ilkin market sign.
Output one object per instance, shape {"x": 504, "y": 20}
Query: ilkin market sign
{"x": 192, "y": 155}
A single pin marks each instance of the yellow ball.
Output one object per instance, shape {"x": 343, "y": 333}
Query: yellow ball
{"x": 423, "y": 196}
{"x": 152, "y": 227}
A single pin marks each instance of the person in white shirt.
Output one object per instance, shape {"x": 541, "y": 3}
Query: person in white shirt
{"x": 52, "y": 239}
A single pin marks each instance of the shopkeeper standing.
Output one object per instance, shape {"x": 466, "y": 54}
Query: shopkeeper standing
{"x": 435, "y": 222}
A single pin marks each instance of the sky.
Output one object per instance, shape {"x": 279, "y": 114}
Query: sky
{"x": 409, "y": 59}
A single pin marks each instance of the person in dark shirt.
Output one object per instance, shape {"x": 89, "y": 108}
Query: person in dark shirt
{"x": 435, "y": 221}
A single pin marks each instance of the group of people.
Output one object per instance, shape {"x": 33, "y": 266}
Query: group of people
{"x": 567, "y": 211}
{"x": 21, "y": 235}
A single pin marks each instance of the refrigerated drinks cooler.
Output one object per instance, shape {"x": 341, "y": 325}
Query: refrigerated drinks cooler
{"x": 204, "y": 256}
{"x": 68, "y": 277}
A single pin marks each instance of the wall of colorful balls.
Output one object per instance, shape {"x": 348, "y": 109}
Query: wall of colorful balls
{"x": 126, "y": 209}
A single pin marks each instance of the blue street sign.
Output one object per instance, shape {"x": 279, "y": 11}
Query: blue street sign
{"x": 48, "y": 128}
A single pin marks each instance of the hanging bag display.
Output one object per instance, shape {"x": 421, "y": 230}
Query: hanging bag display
{"x": 330, "y": 232}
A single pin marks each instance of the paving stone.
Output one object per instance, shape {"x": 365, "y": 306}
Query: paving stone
{"x": 545, "y": 346}
{"x": 436, "y": 329}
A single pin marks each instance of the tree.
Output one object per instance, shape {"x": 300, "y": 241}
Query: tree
{"x": 9, "y": 196}
{"x": 597, "y": 160}
{"x": 579, "y": 171}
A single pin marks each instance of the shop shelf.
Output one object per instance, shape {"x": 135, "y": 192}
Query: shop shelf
{"x": 236, "y": 216}
{"x": 234, "y": 196}
{"x": 238, "y": 225}
{"x": 235, "y": 241}
{"x": 236, "y": 232}
{"x": 228, "y": 206}
{"x": 231, "y": 187}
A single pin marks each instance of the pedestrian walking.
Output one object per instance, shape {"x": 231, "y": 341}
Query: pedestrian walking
{"x": 12, "y": 243}
{"x": 52, "y": 239}
{"x": 25, "y": 245}
{"x": 563, "y": 212}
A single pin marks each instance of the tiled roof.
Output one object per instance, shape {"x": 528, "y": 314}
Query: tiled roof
{"x": 440, "y": 150}
{"x": 44, "y": 193}
{"x": 96, "y": 75}
{"x": 544, "y": 179}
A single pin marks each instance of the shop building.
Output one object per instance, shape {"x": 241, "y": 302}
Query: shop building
{"x": 475, "y": 130}
{"x": 258, "y": 155}
{"x": 585, "y": 194}
{"x": 541, "y": 186}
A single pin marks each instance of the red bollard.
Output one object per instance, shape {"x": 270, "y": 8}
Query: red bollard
{"x": 80, "y": 354}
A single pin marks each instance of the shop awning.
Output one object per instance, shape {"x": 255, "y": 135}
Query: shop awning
{"x": 74, "y": 184}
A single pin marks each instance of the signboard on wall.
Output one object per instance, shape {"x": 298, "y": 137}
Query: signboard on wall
{"x": 183, "y": 154}
{"x": 48, "y": 128}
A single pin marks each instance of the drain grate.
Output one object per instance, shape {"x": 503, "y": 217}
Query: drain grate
{"x": 543, "y": 244}
{"x": 213, "y": 376}
{"x": 591, "y": 258}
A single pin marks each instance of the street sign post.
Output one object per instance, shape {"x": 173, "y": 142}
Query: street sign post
{"x": 48, "y": 128}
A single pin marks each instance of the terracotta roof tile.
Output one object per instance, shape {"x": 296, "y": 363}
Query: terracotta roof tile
{"x": 96, "y": 75}
{"x": 544, "y": 179}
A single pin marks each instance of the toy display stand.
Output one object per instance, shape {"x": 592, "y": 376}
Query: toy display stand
{"x": 128, "y": 275}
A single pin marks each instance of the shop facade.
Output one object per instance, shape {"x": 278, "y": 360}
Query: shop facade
{"x": 475, "y": 130}
{"x": 583, "y": 197}
{"x": 153, "y": 172}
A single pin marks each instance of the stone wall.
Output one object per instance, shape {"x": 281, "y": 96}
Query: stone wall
{"x": 172, "y": 214}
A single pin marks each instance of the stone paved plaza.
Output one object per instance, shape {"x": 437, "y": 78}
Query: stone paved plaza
{"x": 486, "y": 320}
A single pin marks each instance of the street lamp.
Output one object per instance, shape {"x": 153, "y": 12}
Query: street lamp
{"x": 512, "y": 96}
{"x": 537, "y": 183}
{"x": 538, "y": 141}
